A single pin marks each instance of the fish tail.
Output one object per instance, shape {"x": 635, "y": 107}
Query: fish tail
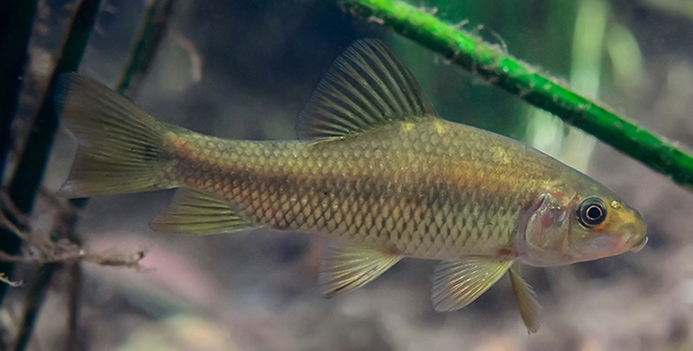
{"x": 119, "y": 143}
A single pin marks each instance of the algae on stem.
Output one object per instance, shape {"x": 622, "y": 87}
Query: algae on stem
{"x": 529, "y": 84}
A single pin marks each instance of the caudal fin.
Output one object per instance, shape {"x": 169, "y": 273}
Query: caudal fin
{"x": 119, "y": 143}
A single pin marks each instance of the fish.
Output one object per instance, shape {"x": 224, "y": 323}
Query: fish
{"x": 375, "y": 169}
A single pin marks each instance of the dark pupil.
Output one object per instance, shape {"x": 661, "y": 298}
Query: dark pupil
{"x": 593, "y": 213}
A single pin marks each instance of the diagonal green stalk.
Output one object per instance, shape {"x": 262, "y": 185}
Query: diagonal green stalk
{"x": 16, "y": 19}
{"x": 156, "y": 21}
{"x": 528, "y": 83}
{"x": 28, "y": 175}
{"x": 26, "y": 180}
{"x": 151, "y": 34}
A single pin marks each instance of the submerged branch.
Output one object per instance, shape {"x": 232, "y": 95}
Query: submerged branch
{"x": 16, "y": 19}
{"x": 520, "y": 79}
{"x": 33, "y": 300}
{"x": 66, "y": 249}
{"x": 27, "y": 178}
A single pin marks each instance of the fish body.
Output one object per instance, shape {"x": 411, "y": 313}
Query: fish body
{"x": 376, "y": 169}
{"x": 433, "y": 189}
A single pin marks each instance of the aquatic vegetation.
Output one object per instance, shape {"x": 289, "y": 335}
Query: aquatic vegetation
{"x": 244, "y": 54}
{"x": 526, "y": 82}
{"x": 378, "y": 170}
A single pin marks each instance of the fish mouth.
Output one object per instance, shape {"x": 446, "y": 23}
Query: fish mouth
{"x": 636, "y": 230}
{"x": 639, "y": 244}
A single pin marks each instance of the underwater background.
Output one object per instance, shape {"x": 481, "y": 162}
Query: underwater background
{"x": 243, "y": 70}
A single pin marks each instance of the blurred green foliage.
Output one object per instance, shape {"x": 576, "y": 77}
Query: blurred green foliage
{"x": 539, "y": 31}
{"x": 276, "y": 51}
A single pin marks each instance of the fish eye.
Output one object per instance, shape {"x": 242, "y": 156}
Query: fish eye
{"x": 592, "y": 212}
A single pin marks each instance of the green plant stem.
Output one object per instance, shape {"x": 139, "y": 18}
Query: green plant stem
{"x": 155, "y": 24}
{"x": 36, "y": 292}
{"x": 153, "y": 30}
{"x": 527, "y": 83}
{"x": 40, "y": 140}
{"x": 27, "y": 177}
{"x": 16, "y": 19}
{"x": 66, "y": 229}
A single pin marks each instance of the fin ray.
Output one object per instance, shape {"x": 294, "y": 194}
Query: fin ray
{"x": 367, "y": 87}
{"x": 119, "y": 142}
{"x": 346, "y": 267}
{"x": 457, "y": 284}
{"x": 526, "y": 298}
{"x": 198, "y": 212}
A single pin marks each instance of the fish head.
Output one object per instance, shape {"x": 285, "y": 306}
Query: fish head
{"x": 579, "y": 224}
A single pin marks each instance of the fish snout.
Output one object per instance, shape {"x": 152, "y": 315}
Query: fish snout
{"x": 637, "y": 229}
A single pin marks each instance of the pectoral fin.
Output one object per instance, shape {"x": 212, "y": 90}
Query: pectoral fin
{"x": 457, "y": 284}
{"x": 346, "y": 267}
{"x": 526, "y": 298}
{"x": 198, "y": 212}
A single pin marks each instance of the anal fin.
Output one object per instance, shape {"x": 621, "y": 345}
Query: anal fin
{"x": 198, "y": 212}
{"x": 346, "y": 267}
{"x": 457, "y": 284}
{"x": 526, "y": 298}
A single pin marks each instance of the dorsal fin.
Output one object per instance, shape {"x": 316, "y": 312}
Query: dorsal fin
{"x": 366, "y": 87}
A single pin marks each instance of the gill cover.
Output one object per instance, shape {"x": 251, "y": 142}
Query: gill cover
{"x": 546, "y": 230}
